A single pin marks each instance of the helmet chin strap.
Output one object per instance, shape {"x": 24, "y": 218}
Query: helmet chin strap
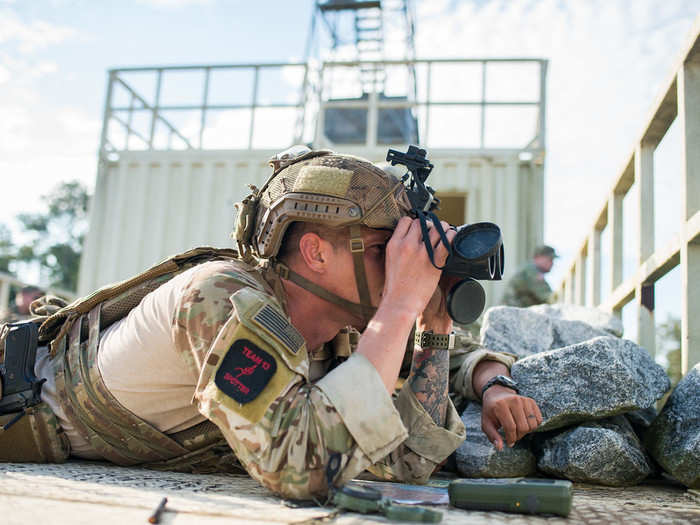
{"x": 364, "y": 308}
{"x": 357, "y": 249}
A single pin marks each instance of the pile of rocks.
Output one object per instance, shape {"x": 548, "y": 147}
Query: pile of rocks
{"x": 597, "y": 393}
{"x": 674, "y": 437}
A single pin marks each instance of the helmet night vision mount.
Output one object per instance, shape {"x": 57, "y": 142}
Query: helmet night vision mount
{"x": 476, "y": 252}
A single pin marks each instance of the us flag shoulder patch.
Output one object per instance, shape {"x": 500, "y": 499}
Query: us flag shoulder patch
{"x": 279, "y": 327}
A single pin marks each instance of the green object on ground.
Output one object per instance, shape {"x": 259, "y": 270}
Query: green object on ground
{"x": 366, "y": 500}
{"x": 522, "y": 495}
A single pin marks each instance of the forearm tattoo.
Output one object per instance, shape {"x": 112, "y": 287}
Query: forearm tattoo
{"x": 429, "y": 381}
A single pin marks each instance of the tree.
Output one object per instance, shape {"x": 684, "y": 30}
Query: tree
{"x": 7, "y": 249}
{"x": 56, "y": 235}
{"x": 669, "y": 340}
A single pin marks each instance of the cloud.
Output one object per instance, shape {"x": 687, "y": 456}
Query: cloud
{"x": 41, "y": 143}
{"x": 32, "y": 36}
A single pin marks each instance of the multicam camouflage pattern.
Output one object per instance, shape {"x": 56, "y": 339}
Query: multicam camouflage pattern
{"x": 296, "y": 430}
{"x": 320, "y": 187}
{"x": 111, "y": 430}
{"x": 46, "y": 305}
{"x": 527, "y": 288}
{"x": 36, "y": 437}
{"x": 289, "y": 448}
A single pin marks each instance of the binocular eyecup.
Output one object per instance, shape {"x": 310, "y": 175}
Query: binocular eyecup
{"x": 477, "y": 254}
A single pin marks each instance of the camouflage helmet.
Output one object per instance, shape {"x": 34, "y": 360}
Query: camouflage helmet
{"x": 320, "y": 187}
{"x": 326, "y": 188}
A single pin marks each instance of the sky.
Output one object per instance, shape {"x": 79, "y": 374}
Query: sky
{"x": 608, "y": 59}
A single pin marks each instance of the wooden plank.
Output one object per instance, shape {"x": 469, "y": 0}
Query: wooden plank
{"x": 615, "y": 238}
{"x": 626, "y": 178}
{"x": 594, "y": 254}
{"x": 644, "y": 291}
{"x": 646, "y": 328}
{"x": 580, "y": 281}
{"x": 663, "y": 116}
{"x": 620, "y": 296}
{"x": 644, "y": 177}
{"x": 692, "y": 228}
{"x": 689, "y": 115}
{"x": 690, "y": 306}
{"x": 661, "y": 262}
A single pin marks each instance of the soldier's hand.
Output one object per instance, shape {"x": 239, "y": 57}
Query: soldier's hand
{"x": 516, "y": 415}
{"x": 434, "y": 316}
{"x": 411, "y": 279}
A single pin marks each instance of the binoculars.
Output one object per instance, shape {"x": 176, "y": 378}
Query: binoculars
{"x": 476, "y": 252}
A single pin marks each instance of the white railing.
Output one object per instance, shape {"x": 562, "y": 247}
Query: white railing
{"x": 138, "y": 115}
{"x": 124, "y": 127}
{"x": 426, "y": 100}
{"x": 680, "y": 99}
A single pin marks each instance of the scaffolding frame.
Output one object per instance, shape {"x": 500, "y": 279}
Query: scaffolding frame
{"x": 373, "y": 103}
{"x": 139, "y": 103}
{"x": 310, "y": 90}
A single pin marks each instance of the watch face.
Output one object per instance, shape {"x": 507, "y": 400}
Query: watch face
{"x": 506, "y": 381}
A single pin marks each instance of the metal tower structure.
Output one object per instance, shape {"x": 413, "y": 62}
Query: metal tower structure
{"x": 370, "y": 35}
{"x": 367, "y": 32}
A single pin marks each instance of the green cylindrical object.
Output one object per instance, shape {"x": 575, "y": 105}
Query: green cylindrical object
{"x": 524, "y": 495}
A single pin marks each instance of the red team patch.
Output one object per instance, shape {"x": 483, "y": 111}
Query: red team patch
{"x": 245, "y": 371}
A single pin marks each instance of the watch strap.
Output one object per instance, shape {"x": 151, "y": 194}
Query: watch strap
{"x": 500, "y": 380}
{"x": 428, "y": 339}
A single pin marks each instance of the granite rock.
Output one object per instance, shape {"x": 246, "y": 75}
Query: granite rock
{"x": 567, "y": 332}
{"x": 598, "y": 378}
{"x": 516, "y": 330}
{"x": 591, "y": 316}
{"x": 478, "y": 458}
{"x": 604, "y": 452}
{"x": 526, "y": 331}
{"x": 641, "y": 420}
{"x": 674, "y": 437}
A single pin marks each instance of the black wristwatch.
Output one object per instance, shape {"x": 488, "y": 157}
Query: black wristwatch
{"x": 500, "y": 380}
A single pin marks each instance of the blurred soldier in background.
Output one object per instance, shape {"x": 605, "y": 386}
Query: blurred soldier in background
{"x": 19, "y": 311}
{"x": 24, "y": 298}
{"x": 528, "y": 286}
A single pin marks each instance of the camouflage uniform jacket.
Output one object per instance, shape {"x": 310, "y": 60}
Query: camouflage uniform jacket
{"x": 527, "y": 288}
{"x": 284, "y": 425}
